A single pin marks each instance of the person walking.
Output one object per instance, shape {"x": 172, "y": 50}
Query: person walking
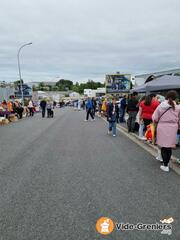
{"x": 167, "y": 118}
{"x": 31, "y": 108}
{"x": 132, "y": 110}
{"x": 111, "y": 117}
{"x": 83, "y": 104}
{"x": 123, "y": 105}
{"x": 104, "y": 108}
{"x": 117, "y": 113}
{"x": 89, "y": 109}
{"x": 94, "y": 105}
{"x": 43, "y": 107}
{"x": 54, "y": 104}
{"x": 18, "y": 108}
{"x": 79, "y": 104}
{"x": 99, "y": 106}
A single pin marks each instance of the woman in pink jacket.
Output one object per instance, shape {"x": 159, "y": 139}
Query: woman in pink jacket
{"x": 167, "y": 115}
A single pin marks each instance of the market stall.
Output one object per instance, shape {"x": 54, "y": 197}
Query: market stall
{"x": 166, "y": 82}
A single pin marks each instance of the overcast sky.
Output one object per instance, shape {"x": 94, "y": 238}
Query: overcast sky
{"x": 85, "y": 39}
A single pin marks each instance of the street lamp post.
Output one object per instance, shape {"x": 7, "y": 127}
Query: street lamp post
{"x": 19, "y": 67}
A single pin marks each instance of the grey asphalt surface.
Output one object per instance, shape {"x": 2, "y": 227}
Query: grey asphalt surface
{"x": 58, "y": 176}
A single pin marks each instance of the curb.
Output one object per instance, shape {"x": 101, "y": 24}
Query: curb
{"x": 152, "y": 149}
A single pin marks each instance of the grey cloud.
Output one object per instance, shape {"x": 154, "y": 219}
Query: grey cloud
{"x": 82, "y": 39}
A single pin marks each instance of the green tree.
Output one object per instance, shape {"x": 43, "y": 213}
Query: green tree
{"x": 89, "y": 85}
{"x": 17, "y": 84}
{"x": 41, "y": 86}
{"x": 64, "y": 85}
{"x": 35, "y": 88}
{"x": 75, "y": 88}
{"x": 50, "y": 87}
{"x": 55, "y": 88}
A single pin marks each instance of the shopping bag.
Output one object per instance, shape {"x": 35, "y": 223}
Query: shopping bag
{"x": 153, "y": 127}
{"x": 150, "y": 133}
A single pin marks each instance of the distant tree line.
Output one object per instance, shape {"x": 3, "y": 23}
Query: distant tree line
{"x": 67, "y": 85}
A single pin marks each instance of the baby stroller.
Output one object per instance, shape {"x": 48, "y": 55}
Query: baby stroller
{"x": 50, "y": 113}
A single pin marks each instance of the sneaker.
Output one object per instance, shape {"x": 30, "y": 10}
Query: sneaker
{"x": 114, "y": 135}
{"x": 85, "y": 120}
{"x": 93, "y": 120}
{"x": 164, "y": 168}
{"x": 158, "y": 158}
{"x": 143, "y": 138}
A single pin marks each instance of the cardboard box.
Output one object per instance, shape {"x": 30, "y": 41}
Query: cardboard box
{"x": 4, "y": 121}
{"x": 12, "y": 118}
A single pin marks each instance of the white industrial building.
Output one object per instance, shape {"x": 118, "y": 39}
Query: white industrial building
{"x": 94, "y": 92}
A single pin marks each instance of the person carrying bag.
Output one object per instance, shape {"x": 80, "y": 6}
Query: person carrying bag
{"x": 153, "y": 127}
{"x": 167, "y": 115}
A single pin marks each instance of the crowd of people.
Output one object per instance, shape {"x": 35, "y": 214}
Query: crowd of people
{"x": 150, "y": 116}
{"x": 47, "y": 106}
{"x": 15, "y": 108}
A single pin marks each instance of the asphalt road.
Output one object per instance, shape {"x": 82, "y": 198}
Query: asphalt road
{"x": 58, "y": 176}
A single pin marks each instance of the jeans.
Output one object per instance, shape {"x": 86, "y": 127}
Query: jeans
{"x": 141, "y": 129}
{"x": 121, "y": 115}
{"x": 131, "y": 121}
{"x": 94, "y": 111}
{"x": 89, "y": 112}
{"x": 43, "y": 112}
{"x": 117, "y": 118}
{"x": 112, "y": 127}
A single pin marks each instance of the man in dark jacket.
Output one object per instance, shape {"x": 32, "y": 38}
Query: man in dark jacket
{"x": 43, "y": 107}
{"x": 132, "y": 110}
{"x": 117, "y": 113}
{"x": 123, "y": 105}
{"x": 111, "y": 115}
{"x": 89, "y": 109}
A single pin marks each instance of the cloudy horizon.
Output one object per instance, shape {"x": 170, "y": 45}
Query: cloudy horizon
{"x": 82, "y": 39}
